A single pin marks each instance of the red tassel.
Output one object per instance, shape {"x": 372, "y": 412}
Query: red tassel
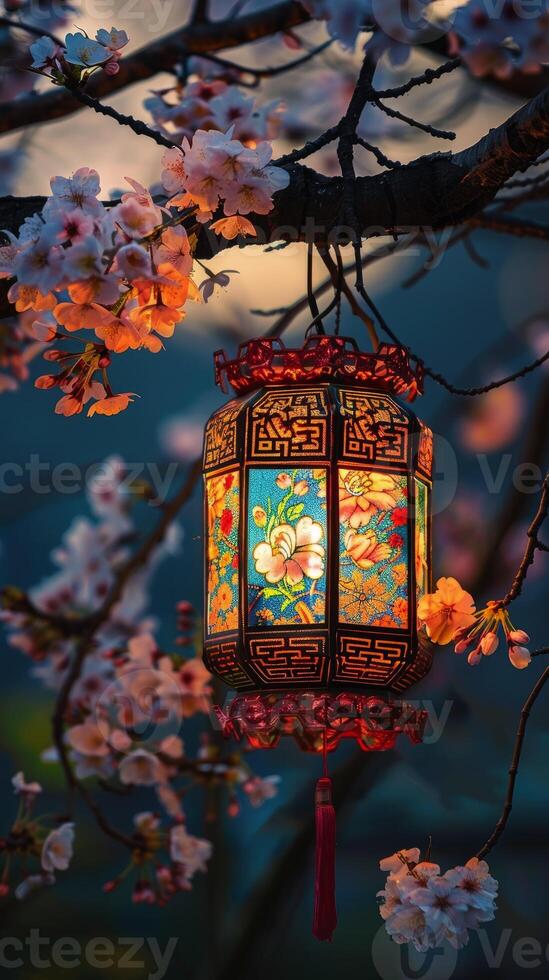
{"x": 325, "y": 914}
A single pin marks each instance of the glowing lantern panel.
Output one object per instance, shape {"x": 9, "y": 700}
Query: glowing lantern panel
{"x": 318, "y": 485}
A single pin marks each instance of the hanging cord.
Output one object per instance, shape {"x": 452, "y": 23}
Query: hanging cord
{"x": 313, "y": 305}
{"x": 325, "y": 912}
{"x": 439, "y": 378}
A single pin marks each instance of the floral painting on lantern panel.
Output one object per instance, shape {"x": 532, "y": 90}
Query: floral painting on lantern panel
{"x": 373, "y": 548}
{"x": 287, "y": 545}
{"x": 223, "y": 499}
{"x": 421, "y": 543}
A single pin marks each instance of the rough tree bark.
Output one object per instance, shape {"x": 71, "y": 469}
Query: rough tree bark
{"x": 433, "y": 191}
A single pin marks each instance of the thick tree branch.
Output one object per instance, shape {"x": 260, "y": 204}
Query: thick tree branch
{"x": 433, "y": 191}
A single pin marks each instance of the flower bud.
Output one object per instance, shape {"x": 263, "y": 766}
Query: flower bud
{"x": 111, "y": 67}
{"x": 520, "y": 657}
{"x": 489, "y": 643}
{"x": 475, "y": 657}
{"x": 519, "y": 637}
{"x": 461, "y": 646}
{"x": 46, "y": 381}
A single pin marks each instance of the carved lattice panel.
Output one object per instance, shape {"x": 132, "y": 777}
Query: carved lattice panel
{"x": 286, "y": 424}
{"x": 425, "y": 451}
{"x": 369, "y": 659}
{"x": 375, "y": 429}
{"x": 287, "y": 660}
{"x": 418, "y": 667}
{"x": 222, "y": 659}
{"x": 220, "y": 444}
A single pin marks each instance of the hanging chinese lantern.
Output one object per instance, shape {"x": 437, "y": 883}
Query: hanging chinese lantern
{"x": 317, "y": 499}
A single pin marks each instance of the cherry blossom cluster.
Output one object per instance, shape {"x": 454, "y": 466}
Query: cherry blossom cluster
{"x": 80, "y": 56}
{"x": 209, "y": 99}
{"x": 49, "y": 15}
{"x": 119, "y": 273}
{"x": 18, "y": 347}
{"x": 215, "y": 170}
{"x": 90, "y": 555}
{"x": 344, "y": 18}
{"x": 125, "y": 713}
{"x": 421, "y": 906}
{"x": 450, "y": 615}
{"x": 490, "y": 41}
{"x": 31, "y": 836}
{"x": 499, "y": 45}
{"x": 113, "y": 278}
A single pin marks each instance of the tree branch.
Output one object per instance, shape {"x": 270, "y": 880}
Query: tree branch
{"x": 513, "y": 770}
{"x": 85, "y": 645}
{"x": 162, "y": 55}
{"x": 433, "y": 191}
{"x": 532, "y": 546}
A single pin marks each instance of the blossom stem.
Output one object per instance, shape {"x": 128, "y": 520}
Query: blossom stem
{"x": 513, "y": 770}
{"x": 531, "y": 547}
{"x": 85, "y": 645}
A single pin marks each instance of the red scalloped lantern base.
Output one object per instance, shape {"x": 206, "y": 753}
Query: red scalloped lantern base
{"x": 318, "y": 722}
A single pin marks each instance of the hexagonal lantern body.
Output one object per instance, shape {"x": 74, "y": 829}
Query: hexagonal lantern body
{"x": 318, "y": 531}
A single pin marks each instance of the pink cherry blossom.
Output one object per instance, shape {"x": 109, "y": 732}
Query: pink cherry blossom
{"x": 45, "y": 52}
{"x": 113, "y": 40}
{"x": 78, "y": 191}
{"x": 173, "y": 255}
{"x": 83, "y": 51}
{"x": 133, "y": 261}
{"x": 57, "y": 849}
{"x": 190, "y": 852}
{"x": 259, "y": 789}
{"x": 23, "y": 788}
{"x": 141, "y": 768}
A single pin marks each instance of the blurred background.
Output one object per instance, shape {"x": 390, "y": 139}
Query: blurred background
{"x": 471, "y": 318}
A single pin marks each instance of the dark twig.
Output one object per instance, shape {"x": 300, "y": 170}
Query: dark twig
{"x": 508, "y": 226}
{"x": 379, "y": 155}
{"x": 85, "y": 645}
{"x": 428, "y": 76}
{"x": 268, "y": 72}
{"x": 442, "y": 134}
{"x": 311, "y": 147}
{"x": 439, "y": 378}
{"x": 29, "y": 29}
{"x": 136, "y": 125}
{"x": 532, "y": 545}
{"x": 513, "y": 770}
{"x": 199, "y": 14}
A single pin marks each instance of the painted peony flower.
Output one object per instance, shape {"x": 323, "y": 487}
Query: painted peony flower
{"x": 362, "y": 493}
{"x": 291, "y": 553}
{"x": 365, "y": 549}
